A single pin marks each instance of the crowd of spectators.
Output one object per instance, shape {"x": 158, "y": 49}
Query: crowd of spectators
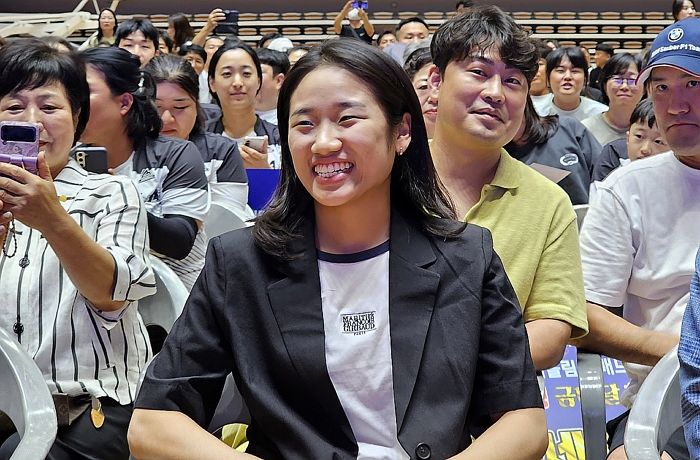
{"x": 422, "y": 236}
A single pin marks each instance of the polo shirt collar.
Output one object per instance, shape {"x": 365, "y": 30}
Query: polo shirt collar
{"x": 507, "y": 174}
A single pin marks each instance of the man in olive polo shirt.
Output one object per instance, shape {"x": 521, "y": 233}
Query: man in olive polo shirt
{"x": 481, "y": 98}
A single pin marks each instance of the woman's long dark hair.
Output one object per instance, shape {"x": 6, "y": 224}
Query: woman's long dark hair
{"x": 169, "y": 68}
{"x": 183, "y": 30}
{"x": 99, "y": 29}
{"x": 122, "y": 74}
{"x": 416, "y": 190}
{"x": 677, "y": 6}
{"x": 538, "y": 129}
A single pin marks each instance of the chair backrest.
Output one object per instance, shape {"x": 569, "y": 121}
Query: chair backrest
{"x": 581, "y": 210}
{"x": 261, "y": 186}
{"x": 656, "y": 412}
{"x": 221, "y": 220}
{"x": 26, "y": 399}
{"x": 166, "y": 305}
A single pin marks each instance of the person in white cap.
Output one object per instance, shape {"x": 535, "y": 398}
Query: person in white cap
{"x": 640, "y": 236}
{"x": 360, "y": 27}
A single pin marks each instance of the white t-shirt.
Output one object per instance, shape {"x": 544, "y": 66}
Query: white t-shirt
{"x": 587, "y": 108}
{"x": 638, "y": 245}
{"x": 204, "y": 94}
{"x": 603, "y": 131}
{"x": 355, "y": 299}
{"x": 269, "y": 115}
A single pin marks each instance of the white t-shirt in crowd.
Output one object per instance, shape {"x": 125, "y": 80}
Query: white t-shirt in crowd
{"x": 587, "y": 108}
{"x": 638, "y": 246}
{"x": 355, "y": 299}
{"x": 269, "y": 115}
{"x": 603, "y": 131}
{"x": 204, "y": 94}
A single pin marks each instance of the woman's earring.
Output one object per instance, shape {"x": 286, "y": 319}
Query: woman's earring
{"x": 400, "y": 151}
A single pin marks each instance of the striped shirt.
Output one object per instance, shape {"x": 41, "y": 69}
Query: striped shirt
{"x": 78, "y": 348}
{"x": 169, "y": 174}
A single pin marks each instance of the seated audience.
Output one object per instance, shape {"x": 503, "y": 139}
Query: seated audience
{"x": 139, "y": 37}
{"x": 640, "y": 236}
{"x": 417, "y": 66}
{"x": 561, "y": 143}
{"x": 179, "y": 30}
{"x": 385, "y": 39}
{"x": 682, "y": 9}
{"x": 690, "y": 366}
{"x": 165, "y": 43}
{"x": 78, "y": 320}
{"x": 211, "y": 44}
{"x": 106, "y": 29}
{"x": 180, "y": 112}
{"x": 168, "y": 172}
{"x": 359, "y": 26}
{"x": 603, "y": 53}
{"x": 539, "y": 89}
{"x": 643, "y": 139}
{"x": 567, "y": 74}
{"x": 296, "y": 53}
{"x": 621, "y": 94}
{"x": 482, "y": 95}
{"x": 274, "y": 65}
{"x": 195, "y": 55}
{"x": 413, "y": 29}
{"x": 235, "y": 78}
{"x": 312, "y": 262}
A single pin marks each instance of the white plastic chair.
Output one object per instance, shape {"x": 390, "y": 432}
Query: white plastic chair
{"x": 656, "y": 412}
{"x": 221, "y": 220}
{"x": 165, "y": 306}
{"x": 26, "y": 399}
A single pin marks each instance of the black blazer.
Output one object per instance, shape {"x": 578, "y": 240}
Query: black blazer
{"x": 458, "y": 343}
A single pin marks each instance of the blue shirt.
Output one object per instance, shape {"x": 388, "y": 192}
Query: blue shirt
{"x": 689, "y": 357}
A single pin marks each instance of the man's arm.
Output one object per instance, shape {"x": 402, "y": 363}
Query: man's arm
{"x": 338, "y": 23}
{"x": 547, "y": 339}
{"x": 616, "y": 337}
{"x": 519, "y": 434}
{"x": 369, "y": 28}
{"x": 217, "y": 15}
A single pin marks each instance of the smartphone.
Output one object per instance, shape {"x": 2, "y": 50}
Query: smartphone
{"x": 229, "y": 26}
{"x": 255, "y": 142}
{"x": 19, "y": 144}
{"x": 360, "y": 5}
{"x": 92, "y": 159}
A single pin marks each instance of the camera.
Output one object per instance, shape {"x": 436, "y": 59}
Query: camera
{"x": 228, "y": 26}
{"x": 360, "y": 5}
{"x": 19, "y": 144}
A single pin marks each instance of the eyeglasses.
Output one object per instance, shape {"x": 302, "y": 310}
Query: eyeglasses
{"x": 618, "y": 81}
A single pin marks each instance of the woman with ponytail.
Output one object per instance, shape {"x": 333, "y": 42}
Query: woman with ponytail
{"x": 168, "y": 172}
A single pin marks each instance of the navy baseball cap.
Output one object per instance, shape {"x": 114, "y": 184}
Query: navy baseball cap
{"x": 678, "y": 45}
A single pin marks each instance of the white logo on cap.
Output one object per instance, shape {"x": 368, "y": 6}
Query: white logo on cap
{"x": 675, "y": 34}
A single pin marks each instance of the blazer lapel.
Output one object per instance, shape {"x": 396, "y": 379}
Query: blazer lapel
{"x": 296, "y": 304}
{"x": 412, "y": 291}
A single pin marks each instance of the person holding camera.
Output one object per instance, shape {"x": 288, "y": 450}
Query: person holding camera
{"x": 360, "y": 27}
{"x": 74, "y": 262}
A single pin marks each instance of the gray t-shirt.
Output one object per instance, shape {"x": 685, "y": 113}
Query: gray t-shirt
{"x": 587, "y": 108}
{"x": 603, "y": 131}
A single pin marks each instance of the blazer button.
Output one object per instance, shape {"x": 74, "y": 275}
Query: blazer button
{"x": 423, "y": 451}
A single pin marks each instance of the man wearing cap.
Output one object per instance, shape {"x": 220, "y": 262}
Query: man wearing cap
{"x": 640, "y": 235}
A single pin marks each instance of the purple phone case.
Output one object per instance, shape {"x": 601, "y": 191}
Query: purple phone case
{"x": 21, "y": 154}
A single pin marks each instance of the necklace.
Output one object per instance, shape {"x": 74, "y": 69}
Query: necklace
{"x": 10, "y": 237}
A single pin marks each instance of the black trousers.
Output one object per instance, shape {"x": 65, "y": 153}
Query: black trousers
{"x": 82, "y": 441}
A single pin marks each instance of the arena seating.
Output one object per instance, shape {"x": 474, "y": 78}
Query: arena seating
{"x": 629, "y": 31}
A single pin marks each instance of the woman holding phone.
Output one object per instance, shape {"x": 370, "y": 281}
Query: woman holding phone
{"x": 177, "y": 90}
{"x": 74, "y": 262}
{"x": 358, "y": 318}
{"x": 168, "y": 172}
{"x": 235, "y": 78}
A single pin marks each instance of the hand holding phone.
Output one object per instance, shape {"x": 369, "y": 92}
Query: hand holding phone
{"x": 255, "y": 142}
{"x": 361, "y": 5}
{"x": 19, "y": 144}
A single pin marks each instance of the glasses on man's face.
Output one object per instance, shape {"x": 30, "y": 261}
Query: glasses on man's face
{"x": 618, "y": 80}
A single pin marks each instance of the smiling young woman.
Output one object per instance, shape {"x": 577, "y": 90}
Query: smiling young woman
{"x": 362, "y": 291}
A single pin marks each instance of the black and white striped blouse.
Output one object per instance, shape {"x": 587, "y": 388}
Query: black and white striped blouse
{"x": 78, "y": 348}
